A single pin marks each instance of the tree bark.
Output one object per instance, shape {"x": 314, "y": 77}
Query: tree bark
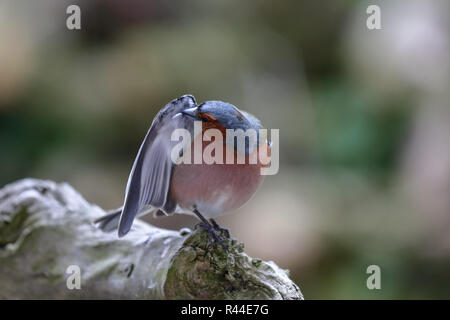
{"x": 46, "y": 227}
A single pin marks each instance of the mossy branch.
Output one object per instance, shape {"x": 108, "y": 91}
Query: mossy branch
{"x": 46, "y": 227}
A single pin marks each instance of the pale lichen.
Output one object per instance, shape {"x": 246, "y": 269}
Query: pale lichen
{"x": 46, "y": 227}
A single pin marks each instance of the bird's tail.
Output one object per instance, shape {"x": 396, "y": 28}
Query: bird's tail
{"x": 110, "y": 221}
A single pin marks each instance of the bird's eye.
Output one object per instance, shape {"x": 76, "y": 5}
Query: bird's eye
{"x": 204, "y": 119}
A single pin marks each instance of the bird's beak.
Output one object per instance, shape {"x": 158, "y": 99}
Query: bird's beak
{"x": 191, "y": 112}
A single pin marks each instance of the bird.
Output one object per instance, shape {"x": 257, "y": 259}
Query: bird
{"x": 157, "y": 184}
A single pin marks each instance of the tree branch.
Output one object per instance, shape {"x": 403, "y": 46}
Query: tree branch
{"x": 46, "y": 227}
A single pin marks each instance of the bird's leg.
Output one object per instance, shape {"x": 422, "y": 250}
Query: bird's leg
{"x": 219, "y": 228}
{"x": 213, "y": 236}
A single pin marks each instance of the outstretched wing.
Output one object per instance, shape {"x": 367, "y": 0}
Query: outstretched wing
{"x": 148, "y": 183}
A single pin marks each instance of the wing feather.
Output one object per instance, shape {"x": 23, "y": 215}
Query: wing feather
{"x": 149, "y": 180}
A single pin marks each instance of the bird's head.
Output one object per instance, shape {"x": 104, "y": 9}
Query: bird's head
{"x": 222, "y": 116}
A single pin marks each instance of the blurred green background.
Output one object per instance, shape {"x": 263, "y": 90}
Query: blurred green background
{"x": 364, "y": 121}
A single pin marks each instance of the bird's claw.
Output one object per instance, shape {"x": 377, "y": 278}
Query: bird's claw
{"x": 221, "y": 229}
{"x": 212, "y": 234}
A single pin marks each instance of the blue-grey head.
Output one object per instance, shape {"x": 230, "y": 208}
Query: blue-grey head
{"x": 226, "y": 117}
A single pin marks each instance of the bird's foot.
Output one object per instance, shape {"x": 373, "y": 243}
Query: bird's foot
{"x": 213, "y": 236}
{"x": 219, "y": 228}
